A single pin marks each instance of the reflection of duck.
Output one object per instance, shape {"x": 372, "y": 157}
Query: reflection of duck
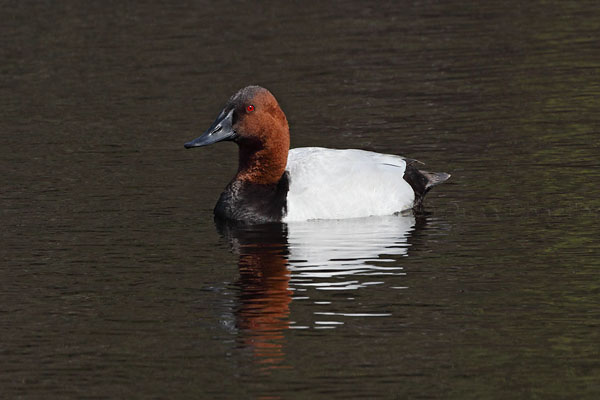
{"x": 275, "y": 184}
{"x": 278, "y": 260}
{"x": 264, "y": 293}
{"x": 339, "y": 254}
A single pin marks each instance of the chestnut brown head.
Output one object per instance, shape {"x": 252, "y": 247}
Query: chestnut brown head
{"x": 252, "y": 117}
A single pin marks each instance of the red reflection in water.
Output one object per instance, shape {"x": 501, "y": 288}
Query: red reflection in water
{"x": 265, "y": 298}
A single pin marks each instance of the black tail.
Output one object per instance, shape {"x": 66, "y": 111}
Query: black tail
{"x": 422, "y": 181}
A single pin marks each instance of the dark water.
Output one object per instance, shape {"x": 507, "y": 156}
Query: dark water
{"x": 116, "y": 283}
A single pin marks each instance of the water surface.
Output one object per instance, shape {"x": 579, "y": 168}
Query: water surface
{"x": 117, "y": 283}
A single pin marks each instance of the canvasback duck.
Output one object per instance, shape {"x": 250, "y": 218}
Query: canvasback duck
{"x": 276, "y": 184}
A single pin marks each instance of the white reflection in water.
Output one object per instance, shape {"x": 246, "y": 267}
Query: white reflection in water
{"x": 354, "y": 314}
{"x": 323, "y": 252}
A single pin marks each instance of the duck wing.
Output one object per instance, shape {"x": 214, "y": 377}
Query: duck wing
{"x": 335, "y": 184}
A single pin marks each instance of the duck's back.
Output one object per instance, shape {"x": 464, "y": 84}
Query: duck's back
{"x": 333, "y": 184}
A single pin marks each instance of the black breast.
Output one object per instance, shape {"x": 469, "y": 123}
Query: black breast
{"x": 254, "y": 203}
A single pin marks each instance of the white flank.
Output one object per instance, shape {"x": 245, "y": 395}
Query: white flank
{"x": 336, "y": 184}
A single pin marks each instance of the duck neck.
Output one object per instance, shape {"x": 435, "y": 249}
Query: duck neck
{"x": 263, "y": 162}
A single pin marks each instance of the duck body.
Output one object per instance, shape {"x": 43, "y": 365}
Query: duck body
{"x": 275, "y": 184}
{"x": 254, "y": 202}
{"x": 337, "y": 184}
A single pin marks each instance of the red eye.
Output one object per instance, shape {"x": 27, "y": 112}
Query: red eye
{"x": 250, "y": 108}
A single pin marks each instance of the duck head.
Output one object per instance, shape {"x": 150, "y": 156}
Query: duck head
{"x": 253, "y": 119}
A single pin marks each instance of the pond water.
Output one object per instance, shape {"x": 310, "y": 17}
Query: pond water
{"x": 116, "y": 282}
